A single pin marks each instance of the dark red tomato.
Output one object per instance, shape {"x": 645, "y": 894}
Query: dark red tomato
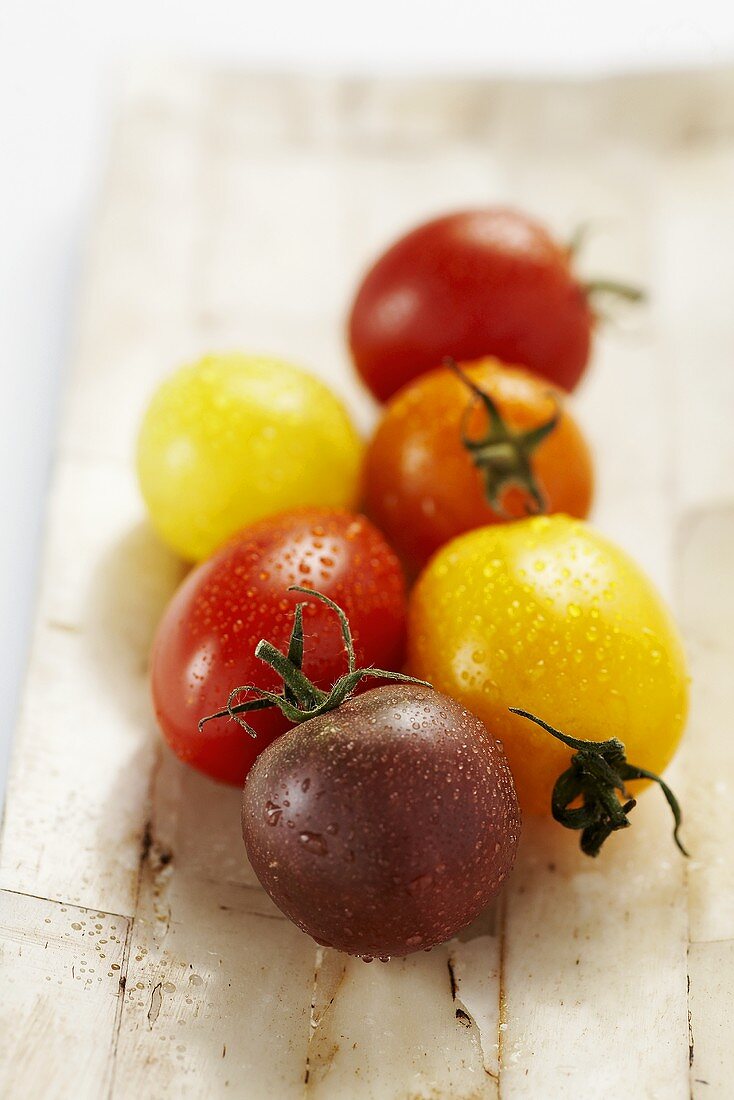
{"x": 468, "y": 285}
{"x": 205, "y": 642}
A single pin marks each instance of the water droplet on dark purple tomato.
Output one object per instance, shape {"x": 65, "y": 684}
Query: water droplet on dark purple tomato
{"x": 273, "y": 813}
{"x": 314, "y": 842}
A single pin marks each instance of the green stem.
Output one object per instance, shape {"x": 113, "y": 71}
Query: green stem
{"x": 295, "y": 647}
{"x": 597, "y": 776}
{"x": 343, "y": 621}
{"x": 617, "y": 289}
{"x": 577, "y": 240}
{"x": 297, "y": 685}
{"x": 592, "y": 287}
{"x": 300, "y": 699}
{"x": 503, "y": 456}
{"x": 572, "y": 742}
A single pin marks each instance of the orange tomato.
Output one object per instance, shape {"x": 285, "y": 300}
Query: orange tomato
{"x": 446, "y": 459}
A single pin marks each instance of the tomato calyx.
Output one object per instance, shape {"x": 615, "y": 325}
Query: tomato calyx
{"x": 599, "y": 288}
{"x": 301, "y": 699}
{"x": 503, "y": 456}
{"x": 626, "y": 291}
{"x": 600, "y": 291}
{"x": 597, "y": 773}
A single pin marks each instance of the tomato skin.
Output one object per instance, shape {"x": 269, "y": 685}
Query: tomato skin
{"x": 384, "y": 826}
{"x": 420, "y": 485}
{"x": 233, "y": 438}
{"x": 204, "y": 646}
{"x": 548, "y": 615}
{"x": 471, "y": 284}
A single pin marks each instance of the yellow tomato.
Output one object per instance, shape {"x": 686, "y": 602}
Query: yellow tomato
{"x": 549, "y": 616}
{"x": 234, "y": 438}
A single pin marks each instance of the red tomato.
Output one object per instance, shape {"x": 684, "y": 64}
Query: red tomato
{"x": 481, "y": 282}
{"x": 205, "y": 642}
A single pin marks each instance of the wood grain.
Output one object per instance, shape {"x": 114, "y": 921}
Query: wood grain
{"x": 63, "y": 968}
{"x": 238, "y": 211}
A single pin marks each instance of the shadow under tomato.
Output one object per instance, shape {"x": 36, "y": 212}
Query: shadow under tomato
{"x": 174, "y": 811}
{"x": 128, "y": 592}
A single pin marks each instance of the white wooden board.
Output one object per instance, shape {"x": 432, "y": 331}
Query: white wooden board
{"x": 139, "y": 956}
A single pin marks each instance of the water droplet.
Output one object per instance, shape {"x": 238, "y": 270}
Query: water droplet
{"x": 420, "y": 884}
{"x": 273, "y": 813}
{"x": 313, "y": 842}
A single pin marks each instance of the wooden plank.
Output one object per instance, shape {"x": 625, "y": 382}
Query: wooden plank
{"x": 596, "y": 949}
{"x": 712, "y": 1019}
{"x": 79, "y": 784}
{"x": 394, "y": 1030}
{"x": 694, "y": 242}
{"x": 694, "y": 266}
{"x": 707, "y": 597}
{"x": 700, "y": 355}
{"x": 239, "y": 211}
{"x": 219, "y": 983}
{"x": 61, "y": 969}
{"x": 217, "y": 1000}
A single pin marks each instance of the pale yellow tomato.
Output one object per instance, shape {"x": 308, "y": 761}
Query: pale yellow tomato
{"x": 549, "y": 616}
{"x": 234, "y": 438}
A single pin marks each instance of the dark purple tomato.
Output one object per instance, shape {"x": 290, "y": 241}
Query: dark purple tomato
{"x": 384, "y": 826}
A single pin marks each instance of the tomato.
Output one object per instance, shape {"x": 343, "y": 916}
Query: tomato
{"x": 234, "y": 438}
{"x": 205, "y": 642}
{"x": 381, "y": 824}
{"x": 476, "y": 283}
{"x": 423, "y": 485}
{"x": 549, "y": 616}
{"x": 384, "y": 826}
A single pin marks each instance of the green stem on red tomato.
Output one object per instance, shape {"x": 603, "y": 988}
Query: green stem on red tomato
{"x": 615, "y": 288}
{"x": 598, "y": 770}
{"x": 300, "y": 699}
{"x": 601, "y": 286}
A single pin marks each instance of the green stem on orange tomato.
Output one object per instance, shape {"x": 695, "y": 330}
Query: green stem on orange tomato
{"x": 503, "y": 456}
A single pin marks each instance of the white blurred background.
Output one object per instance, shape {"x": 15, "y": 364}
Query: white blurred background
{"x": 59, "y": 66}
